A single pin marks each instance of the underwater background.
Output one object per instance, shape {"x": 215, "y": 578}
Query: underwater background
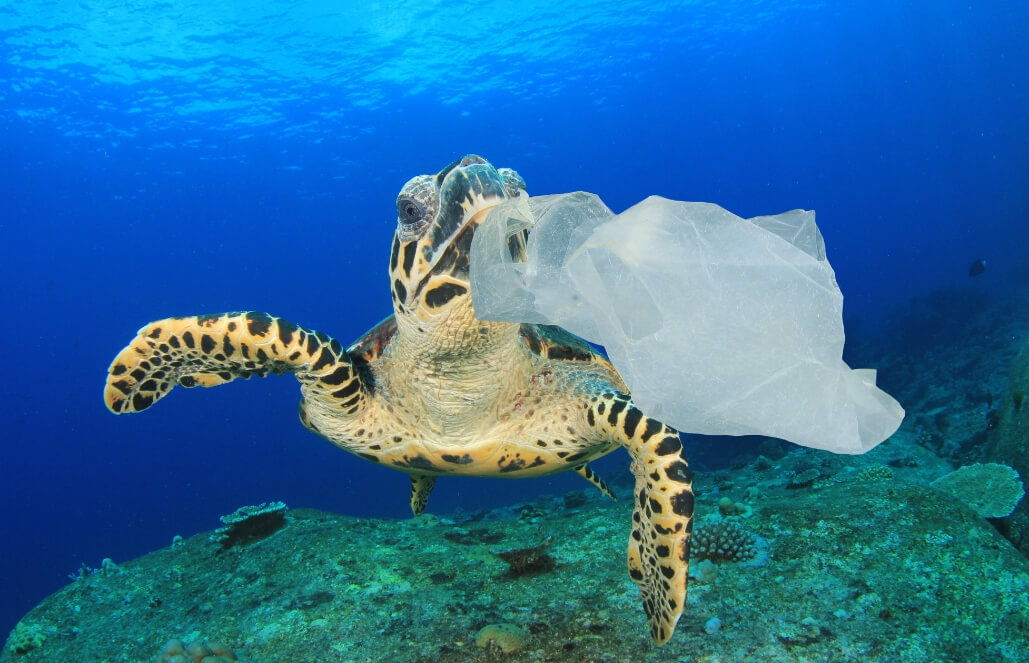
{"x": 174, "y": 158}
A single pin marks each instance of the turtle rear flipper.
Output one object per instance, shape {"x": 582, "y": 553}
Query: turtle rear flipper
{"x": 209, "y": 350}
{"x": 587, "y": 473}
{"x": 662, "y": 520}
{"x": 421, "y": 486}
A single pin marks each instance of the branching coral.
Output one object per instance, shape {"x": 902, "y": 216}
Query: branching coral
{"x": 723, "y": 540}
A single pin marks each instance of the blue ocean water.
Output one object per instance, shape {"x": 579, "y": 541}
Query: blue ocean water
{"x": 172, "y": 158}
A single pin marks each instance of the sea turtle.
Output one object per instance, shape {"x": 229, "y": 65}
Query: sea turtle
{"x": 433, "y": 391}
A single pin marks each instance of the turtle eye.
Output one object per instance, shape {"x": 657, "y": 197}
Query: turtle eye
{"x": 410, "y": 210}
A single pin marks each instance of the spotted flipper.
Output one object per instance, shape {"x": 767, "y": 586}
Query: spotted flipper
{"x": 421, "y": 486}
{"x": 662, "y": 519}
{"x": 553, "y": 342}
{"x": 209, "y": 350}
{"x": 587, "y": 473}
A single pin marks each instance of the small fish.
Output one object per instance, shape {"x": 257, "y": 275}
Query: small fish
{"x": 977, "y": 268}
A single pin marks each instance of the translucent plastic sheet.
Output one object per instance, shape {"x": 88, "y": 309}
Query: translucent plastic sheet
{"x": 718, "y": 324}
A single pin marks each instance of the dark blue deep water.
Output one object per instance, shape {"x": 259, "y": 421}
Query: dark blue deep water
{"x": 173, "y": 158}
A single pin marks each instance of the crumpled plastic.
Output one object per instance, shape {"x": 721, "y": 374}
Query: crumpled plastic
{"x": 717, "y": 324}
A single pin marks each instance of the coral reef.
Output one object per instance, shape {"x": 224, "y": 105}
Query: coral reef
{"x": 505, "y": 638}
{"x": 723, "y": 541}
{"x": 955, "y": 386}
{"x": 1009, "y": 440}
{"x": 25, "y": 637}
{"x": 200, "y": 651}
{"x": 991, "y": 489}
{"x": 867, "y": 563}
{"x": 108, "y": 567}
{"x": 860, "y": 571}
{"x": 875, "y": 472}
{"x": 727, "y": 507}
{"x": 531, "y": 560}
{"x": 250, "y": 523}
{"x": 804, "y": 478}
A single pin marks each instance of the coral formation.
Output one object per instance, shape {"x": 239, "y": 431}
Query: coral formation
{"x": 532, "y": 560}
{"x": 26, "y": 637}
{"x": 250, "y": 523}
{"x": 727, "y": 507}
{"x": 876, "y": 472}
{"x": 505, "y": 638}
{"x": 200, "y": 651}
{"x": 1008, "y": 440}
{"x": 723, "y": 541}
{"x": 991, "y": 489}
{"x": 804, "y": 478}
{"x": 108, "y": 567}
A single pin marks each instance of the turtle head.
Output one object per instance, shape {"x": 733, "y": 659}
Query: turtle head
{"x": 436, "y": 219}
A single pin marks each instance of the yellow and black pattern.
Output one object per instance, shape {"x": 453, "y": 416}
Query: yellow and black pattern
{"x": 552, "y": 342}
{"x": 587, "y": 473}
{"x": 433, "y": 391}
{"x": 662, "y": 519}
{"x": 421, "y": 486}
{"x": 210, "y": 350}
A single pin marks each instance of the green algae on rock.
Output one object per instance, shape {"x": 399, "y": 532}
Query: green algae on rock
{"x": 1008, "y": 440}
{"x": 861, "y": 571}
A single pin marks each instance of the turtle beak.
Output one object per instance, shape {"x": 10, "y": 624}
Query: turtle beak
{"x": 468, "y": 188}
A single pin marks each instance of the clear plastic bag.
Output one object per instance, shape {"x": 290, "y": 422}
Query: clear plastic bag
{"x": 718, "y": 324}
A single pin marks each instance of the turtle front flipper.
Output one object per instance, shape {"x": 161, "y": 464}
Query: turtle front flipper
{"x": 210, "y": 350}
{"x": 662, "y": 520}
